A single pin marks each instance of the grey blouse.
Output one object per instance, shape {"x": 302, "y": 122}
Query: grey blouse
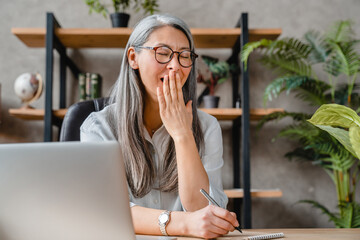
{"x": 97, "y": 128}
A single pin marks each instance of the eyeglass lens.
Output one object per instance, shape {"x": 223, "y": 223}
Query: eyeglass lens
{"x": 165, "y": 54}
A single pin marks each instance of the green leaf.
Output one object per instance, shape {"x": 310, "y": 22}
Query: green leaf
{"x": 281, "y": 84}
{"x": 312, "y": 91}
{"x": 341, "y": 135}
{"x": 335, "y": 115}
{"x": 209, "y": 60}
{"x": 250, "y": 47}
{"x": 221, "y": 80}
{"x": 290, "y": 48}
{"x": 341, "y": 31}
{"x": 344, "y": 59}
{"x": 354, "y": 133}
{"x": 280, "y": 115}
{"x": 282, "y": 65}
{"x": 350, "y": 217}
{"x": 324, "y": 210}
{"x": 319, "y": 47}
{"x": 219, "y": 69}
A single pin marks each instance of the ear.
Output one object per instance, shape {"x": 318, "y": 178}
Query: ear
{"x": 132, "y": 58}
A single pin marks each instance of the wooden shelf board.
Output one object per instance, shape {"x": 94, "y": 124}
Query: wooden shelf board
{"x": 233, "y": 113}
{"x": 219, "y": 113}
{"x": 34, "y": 114}
{"x": 118, "y": 37}
{"x": 255, "y": 193}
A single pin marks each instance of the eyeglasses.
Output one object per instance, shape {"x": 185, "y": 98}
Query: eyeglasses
{"x": 164, "y": 55}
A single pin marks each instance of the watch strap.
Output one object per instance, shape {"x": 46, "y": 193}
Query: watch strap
{"x": 163, "y": 225}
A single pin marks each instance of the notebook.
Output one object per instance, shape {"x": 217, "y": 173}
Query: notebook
{"x": 250, "y": 235}
{"x": 63, "y": 190}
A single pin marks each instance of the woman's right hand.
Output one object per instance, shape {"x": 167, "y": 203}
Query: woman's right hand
{"x": 211, "y": 222}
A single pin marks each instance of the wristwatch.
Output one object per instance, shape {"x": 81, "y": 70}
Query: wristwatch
{"x": 164, "y": 219}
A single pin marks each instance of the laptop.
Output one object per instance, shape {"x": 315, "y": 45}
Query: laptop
{"x": 64, "y": 190}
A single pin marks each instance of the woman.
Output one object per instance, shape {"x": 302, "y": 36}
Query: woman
{"x": 171, "y": 150}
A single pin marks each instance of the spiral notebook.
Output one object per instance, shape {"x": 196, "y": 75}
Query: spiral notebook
{"x": 249, "y": 235}
{"x": 263, "y": 236}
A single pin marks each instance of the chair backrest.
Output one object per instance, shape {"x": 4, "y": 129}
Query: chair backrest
{"x": 76, "y": 115}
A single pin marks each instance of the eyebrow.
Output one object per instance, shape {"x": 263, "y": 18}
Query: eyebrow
{"x": 165, "y": 45}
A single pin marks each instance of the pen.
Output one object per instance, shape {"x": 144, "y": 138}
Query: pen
{"x": 214, "y": 203}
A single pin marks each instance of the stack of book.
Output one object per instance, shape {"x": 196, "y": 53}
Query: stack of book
{"x": 89, "y": 86}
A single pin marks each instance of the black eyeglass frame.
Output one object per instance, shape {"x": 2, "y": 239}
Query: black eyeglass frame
{"x": 193, "y": 55}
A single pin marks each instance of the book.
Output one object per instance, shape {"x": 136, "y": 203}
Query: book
{"x": 95, "y": 88}
{"x": 87, "y": 86}
{"x": 82, "y": 87}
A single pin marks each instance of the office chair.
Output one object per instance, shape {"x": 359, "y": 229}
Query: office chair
{"x": 76, "y": 115}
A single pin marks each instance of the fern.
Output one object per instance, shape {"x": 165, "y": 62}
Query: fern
{"x": 344, "y": 59}
{"x": 282, "y": 65}
{"x": 350, "y": 217}
{"x": 300, "y": 153}
{"x": 324, "y": 210}
{"x": 281, "y": 84}
{"x": 303, "y": 132}
{"x": 280, "y": 115}
{"x": 250, "y": 47}
{"x": 290, "y": 48}
{"x": 319, "y": 47}
{"x": 312, "y": 91}
{"x": 341, "y": 31}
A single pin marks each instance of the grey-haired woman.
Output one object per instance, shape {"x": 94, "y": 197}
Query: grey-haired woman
{"x": 171, "y": 149}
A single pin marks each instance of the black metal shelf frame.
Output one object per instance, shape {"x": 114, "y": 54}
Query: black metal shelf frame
{"x": 52, "y": 42}
{"x": 240, "y": 125}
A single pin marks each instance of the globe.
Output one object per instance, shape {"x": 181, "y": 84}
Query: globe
{"x": 28, "y": 87}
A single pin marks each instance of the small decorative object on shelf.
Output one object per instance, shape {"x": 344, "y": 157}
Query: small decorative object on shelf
{"x": 119, "y": 18}
{"x": 89, "y": 86}
{"x": 28, "y": 87}
{"x": 219, "y": 73}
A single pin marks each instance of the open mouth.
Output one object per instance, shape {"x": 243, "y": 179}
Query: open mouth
{"x": 162, "y": 79}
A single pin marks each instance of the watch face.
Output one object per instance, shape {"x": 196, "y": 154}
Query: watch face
{"x": 163, "y": 218}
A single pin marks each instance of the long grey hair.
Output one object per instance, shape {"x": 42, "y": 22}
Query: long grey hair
{"x": 129, "y": 95}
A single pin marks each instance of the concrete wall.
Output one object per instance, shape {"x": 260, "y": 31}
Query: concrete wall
{"x": 269, "y": 168}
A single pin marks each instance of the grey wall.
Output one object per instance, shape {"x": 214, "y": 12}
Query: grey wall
{"x": 269, "y": 168}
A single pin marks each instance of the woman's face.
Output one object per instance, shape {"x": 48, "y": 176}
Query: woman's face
{"x": 153, "y": 72}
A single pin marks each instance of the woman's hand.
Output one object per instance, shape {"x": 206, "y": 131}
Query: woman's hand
{"x": 175, "y": 115}
{"x": 211, "y": 222}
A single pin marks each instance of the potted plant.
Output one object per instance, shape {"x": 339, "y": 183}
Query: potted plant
{"x": 219, "y": 73}
{"x": 119, "y": 17}
{"x": 294, "y": 61}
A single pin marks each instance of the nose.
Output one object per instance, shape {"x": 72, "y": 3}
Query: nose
{"x": 174, "y": 63}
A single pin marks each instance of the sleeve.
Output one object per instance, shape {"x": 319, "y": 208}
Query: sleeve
{"x": 212, "y": 159}
{"x": 96, "y": 128}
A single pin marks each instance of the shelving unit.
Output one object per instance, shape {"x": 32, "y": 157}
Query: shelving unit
{"x": 53, "y": 37}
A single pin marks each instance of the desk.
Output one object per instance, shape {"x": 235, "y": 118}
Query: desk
{"x": 299, "y": 234}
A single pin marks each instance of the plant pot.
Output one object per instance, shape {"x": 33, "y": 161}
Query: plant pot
{"x": 211, "y": 101}
{"x": 119, "y": 19}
